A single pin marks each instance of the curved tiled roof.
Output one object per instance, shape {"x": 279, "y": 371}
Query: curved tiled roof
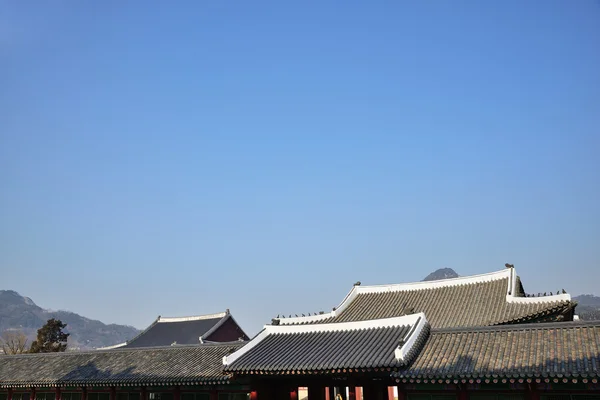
{"x": 480, "y": 300}
{"x": 546, "y": 351}
{"x": 331, "y": 348}
{"x": 166, "y": 331}
{"x": 193, "y": 365}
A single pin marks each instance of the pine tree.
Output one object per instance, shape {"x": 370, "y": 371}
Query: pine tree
{"x": 50, "y": 338}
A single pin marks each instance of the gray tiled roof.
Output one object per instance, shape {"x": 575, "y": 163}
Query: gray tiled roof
{"x": 181, "y": 331}
{"x": 557, "y": 350}
{"x": 199, "y": 364}
{"x": 329, "y": 351}
{"x": 474, "y": 304}
{"x": 483, "y": 300}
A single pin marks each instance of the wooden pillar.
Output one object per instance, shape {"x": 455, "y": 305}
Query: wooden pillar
{"x": 294, "y": 393}
{"x": 113, "y": 393}
{"x": 176, "y": 393}
{"x": 84, "y": 393}
{"x": 58, "y": 394}
{"x": 390, "y": 393}
{"x": 359, "y": 392}
{"x": 254, "y": 395}
{"x": 32, "y": 395}
{"x": 9, "y": 393}
{"x": 214, "y": 395}
{"x": 330, "y": 393}
{"x": 143, "y": 393}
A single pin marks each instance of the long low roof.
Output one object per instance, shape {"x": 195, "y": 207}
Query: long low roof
{"x": 554, "y": 350}
{"x": 479, "y": 300}
{"x": 181, "y": 365}
{"x": 331, "y": 348}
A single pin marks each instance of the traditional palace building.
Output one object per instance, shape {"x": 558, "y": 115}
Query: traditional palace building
{"x": 477, "y": 337}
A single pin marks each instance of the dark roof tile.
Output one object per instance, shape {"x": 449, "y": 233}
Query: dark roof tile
{"x": 527, "y": 350}
{"x": 327, "y": 347}
{"x": 481, "y": 300}
{"x": 168, "y": 365}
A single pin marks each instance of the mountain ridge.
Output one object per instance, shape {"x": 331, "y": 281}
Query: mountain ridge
{"x": 19, "y": 312}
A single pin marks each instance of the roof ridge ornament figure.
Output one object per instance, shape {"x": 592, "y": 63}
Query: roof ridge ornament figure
{"x": 509, "y": 265}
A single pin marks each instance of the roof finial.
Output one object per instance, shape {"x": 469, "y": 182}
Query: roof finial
{"x": 509, "y": 265}
{"x": 357, "y": 283}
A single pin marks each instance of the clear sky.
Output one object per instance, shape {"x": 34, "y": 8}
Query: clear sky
{"x": 188, "y": 157}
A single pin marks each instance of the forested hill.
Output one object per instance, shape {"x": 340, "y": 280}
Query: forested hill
{"x": 21, "y": 313}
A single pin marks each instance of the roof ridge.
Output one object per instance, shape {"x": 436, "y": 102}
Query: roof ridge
{"x": 458, "y": 281}
{"x": 518, "y": 327}
{"x": 128, "y": 349}
{"x": 192, "y": 317}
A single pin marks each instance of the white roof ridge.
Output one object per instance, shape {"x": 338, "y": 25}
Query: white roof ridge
{"x": 114, "y": 346}
{"x": 421, "y": 285}
{"x": 417, "y": 321}
{"x": 192, "y": 318}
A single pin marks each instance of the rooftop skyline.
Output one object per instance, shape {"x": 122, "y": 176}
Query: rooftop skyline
{"x": 263, "y": 157}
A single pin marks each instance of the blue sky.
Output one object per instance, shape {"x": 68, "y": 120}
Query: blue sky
{"x": 263, "y": 156}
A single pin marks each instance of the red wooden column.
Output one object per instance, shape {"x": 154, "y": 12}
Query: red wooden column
{"x": 9, "y": 394}
{"x": 143, "y": 393}
{"x": 176, "y": 393}
{"x": 113, "y": 393}
{"x": 58, "y": 394}
{"x": 330, "y": 393}
{"x": 390, "y": 393}
{"x": 32, "y": 395}
{"x": 254, "y": 395}
{"x": 84, "y": 393}
{"x": 359, "y": 393}
{"x": 294, "y": 393}
{"x": 214, "y": 395}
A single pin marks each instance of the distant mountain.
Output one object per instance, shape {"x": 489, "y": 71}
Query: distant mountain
{"x": 21, "y": 313}
{"x": 588, "y": 307}
{"x": 442, "y": 273}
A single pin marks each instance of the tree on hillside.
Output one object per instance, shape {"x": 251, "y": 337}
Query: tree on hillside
{"x": 50, "y": 338}
{"x": 13, "y": 342}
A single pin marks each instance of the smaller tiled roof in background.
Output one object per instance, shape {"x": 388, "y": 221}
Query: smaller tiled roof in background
{"x": 331, "y": 348}
{"x": 167, "y": 331}
{"x": 480, "y": 300}
{"x": 181, "y": 365}
{"x": 561, "y": 350}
